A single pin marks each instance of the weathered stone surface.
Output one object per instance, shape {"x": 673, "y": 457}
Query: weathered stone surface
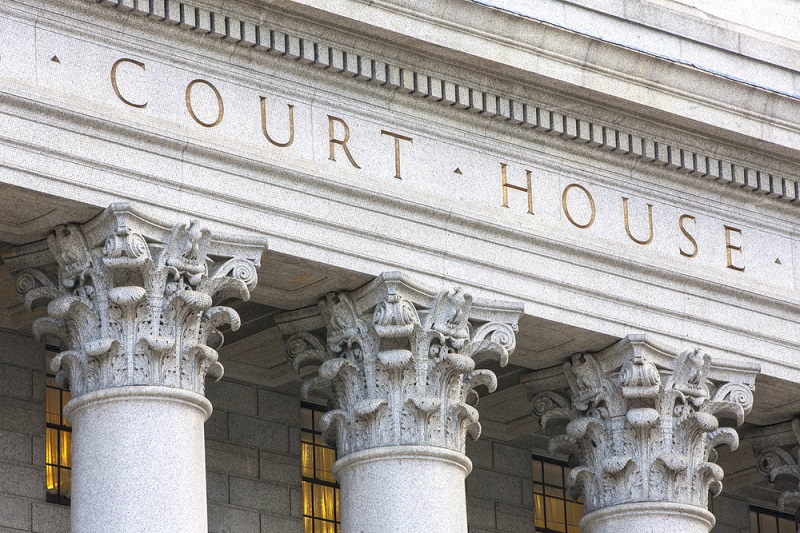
{"x": 132, "y": 301}
{"x": 775, "y": 461}
{"x": 643, "y": 423}
{"x": 399, "y": 361}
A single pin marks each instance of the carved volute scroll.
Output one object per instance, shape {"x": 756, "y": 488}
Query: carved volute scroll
{"x": 398, "y": 361}
{"x": 643, "y": 422}
{"x": 784, "y": 461}
{"x": 133, "y": 302}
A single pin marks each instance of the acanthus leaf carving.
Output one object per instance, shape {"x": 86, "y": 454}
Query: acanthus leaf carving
{"x": 642, "y": 426}
{"x": 783, "y": 461}
{"x": 132, "y": 304}
{"x": 408, "y": 353}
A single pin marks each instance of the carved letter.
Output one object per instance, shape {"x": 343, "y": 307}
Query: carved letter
{"x": 220, "y": 106}
{"x": 114, "y": 80}
{"x": 627, "y": 225}
{"x": 333, "y": 141}
{"x": 507, "y": 186}
{"x": 566, "y": 209}
{"x": 397, "y": 139}
{"x": 264, "y": 125}
{"x": 729, "y": 247}
{"x": 686, "y": 234}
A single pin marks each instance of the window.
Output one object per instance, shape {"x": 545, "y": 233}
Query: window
{"x": 766, "y": 521}
{"x": 552, "y": 510}
{"x": 320, "y": 490}
{"x": 58, "y": 450}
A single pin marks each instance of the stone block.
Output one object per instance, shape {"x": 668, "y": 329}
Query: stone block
{"x": 512, "y": 460}
{"x": 15, "y": 382}
{"x": 278, "y": 407}
{"x": 731, "y": 510}
{"x": 255, "y": 432}
{"x": 216, "y": 427}
{"x": 227, "y": 519}
{"x": 514, "y": 519}
{"x": 231, "y": 459}
{"x": 22, "y": 480}
{"x": 21, "y": 350}
{"x": 276, "y": 524}
{"x": 295, "y": 446}
{"x": 259, "y": 495}
{"x": 15, "y": 447}
{"x": 480, "y": 514}
{"x": 15, "y": 513}
{"x": 296, "y": 499}
{"x": 480, "y": 453}
{"x": 280, "y": 468}
{"x": 217, "y": 487}
{"x": 50, "y": 518}
{"x": 232, "y": 396}
{"x": 490, "y": 485}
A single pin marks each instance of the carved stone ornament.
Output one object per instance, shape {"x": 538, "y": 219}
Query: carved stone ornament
{"x": 644, "y": 422}
{"x": 398, "y": 361}
{"x": 776, "y": 461}
{"x": 132, "y": 301}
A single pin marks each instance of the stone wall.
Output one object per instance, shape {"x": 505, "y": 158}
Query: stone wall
{"x": 22, "y": 439}
{"x": 732, "y": 514}
{"x": 500, "y": 488}
{"x": 253, "y": 460}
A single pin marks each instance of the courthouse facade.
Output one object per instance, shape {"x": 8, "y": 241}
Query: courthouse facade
{"x": 260, "y": 259}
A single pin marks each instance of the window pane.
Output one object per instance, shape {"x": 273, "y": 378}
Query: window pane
{"x": 307, "y": 510}
{"x": 53, "y": 406}
{"x": 537, "y": 471}
{"x": 320, "y": 526}
{"x": 307, "y": 459}
{"x": 66, "y": 448}
{"x": 574, "y": 513}
{"x": 305, "y": 419}
{"x": 51, "y": 452}
{"x": 325, "y": 458}
{"x": 51, "y": 475}
{"x": 324, "y": 503}
{"x": 538, "y": 510}
{"x": 786, "y": 526}
{"x": 65, "y": 475}
{"x": 767, "y": 524}
{"x": 555, "y": 514}
{"x": 553, "y": 474}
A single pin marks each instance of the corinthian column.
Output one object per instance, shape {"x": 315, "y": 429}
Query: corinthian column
{"x": 398, "y": 360}
{"x": 643, "y": 424}
{"x": 132, "y": 303}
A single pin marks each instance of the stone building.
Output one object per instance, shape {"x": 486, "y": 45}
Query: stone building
{"x": 369, "y": 214}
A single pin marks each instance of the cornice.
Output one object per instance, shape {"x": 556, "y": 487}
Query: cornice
{"x": 268, "y": 38}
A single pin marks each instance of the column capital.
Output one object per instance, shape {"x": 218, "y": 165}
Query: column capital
{"x": 398, "y": 360}
{"x": 643, "y": 422}
{"x": 132, "y": 300}
{"x": 784, "y": 461}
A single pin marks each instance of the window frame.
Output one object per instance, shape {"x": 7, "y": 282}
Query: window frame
{"x": 565, "y": 500}
{"x": 313, "y": 482}
{"x": 61, "y": 496}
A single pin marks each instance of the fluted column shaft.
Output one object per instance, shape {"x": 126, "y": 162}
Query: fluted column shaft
{"x": 131, "y": 304}
{"x": 398, "y": 362}
{"x": 643, "y": 422}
